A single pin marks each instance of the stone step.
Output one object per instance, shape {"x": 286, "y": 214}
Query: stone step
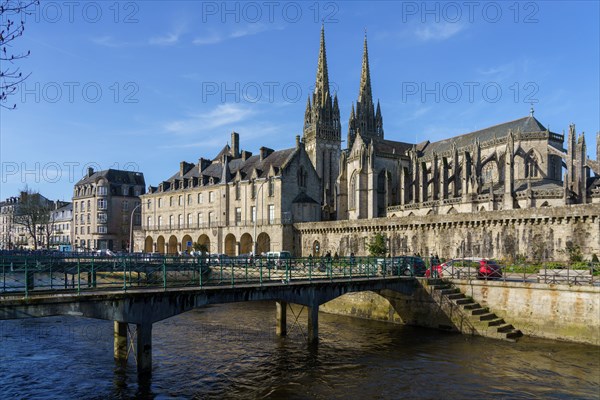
{"x": 487, "y": 316}
{"x": 514, "y": 334}
{"x": 505, "y": 328}
{"x": 440, "y": 287}
{"x": 463, "y": 301}
{"x": 480, "y": 311}
{"x": 471, "y": 306}
{"x": 449, "y": 291}
{"x": 495, "y": 322}
{"x": 456, "y": 296}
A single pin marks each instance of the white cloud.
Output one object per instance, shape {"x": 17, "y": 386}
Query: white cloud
{"x": 222, "y": 115}
{"x": 248, "y": 30}
{"x": 438, "y": 32}
{"x": 166, "y": 40}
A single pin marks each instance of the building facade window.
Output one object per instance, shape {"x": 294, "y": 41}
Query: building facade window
{"x": 237, "y": 191}
{"x": 102, "y": 204}
{"x": 271, "y": 213}
{"x": 170, "y": 222}
{"x": 102, "y": 217}
{"x": 180, "y": 200}
{"x": 531, "y": 170}
{"x": 159, "y": 222}
{"x": 211, "y": 218}
{"x": 149, "y": 222}
{"x": 200, "y": 220}
{"x": 271, "y": 187}
{"x": 211, "y": 197}
{"x": 180, "y": 221}
{"x": 159, "y": 202}
{"x": 238, "y": 215}
{"x": 125, "y": 205}
{"x": 102, "y": 229}
{"x": 190, "y": 220}
{"x": 102, "y": 190}
{"x": 200, "y": 198}
{"x": 171, "y": 201}
{"x": 189, "y": 199}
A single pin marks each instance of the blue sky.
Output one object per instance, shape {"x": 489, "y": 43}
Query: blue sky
{"x": 146, "y": 84}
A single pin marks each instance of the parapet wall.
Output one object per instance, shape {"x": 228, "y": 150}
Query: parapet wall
{"x": 542, "y": 232}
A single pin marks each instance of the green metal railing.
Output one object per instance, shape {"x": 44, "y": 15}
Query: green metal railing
{"x": 31, "y": 274}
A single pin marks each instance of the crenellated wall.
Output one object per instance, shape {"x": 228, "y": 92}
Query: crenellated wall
{"x": 544, "y": 231}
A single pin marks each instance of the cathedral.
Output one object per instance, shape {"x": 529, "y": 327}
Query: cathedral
{"x": 220, "y": 204}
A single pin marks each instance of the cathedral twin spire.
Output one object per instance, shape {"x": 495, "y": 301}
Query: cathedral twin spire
{"x": 321, "y": 118}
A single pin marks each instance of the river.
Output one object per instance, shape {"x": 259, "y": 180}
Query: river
{"x": 231, "y": 351}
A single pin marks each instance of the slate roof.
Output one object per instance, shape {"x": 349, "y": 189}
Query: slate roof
{"x": 526, "y": 124}
{"x": 390, "y": 146}
{"x": 277, "y": 159}
{"x": 115, "y": 176}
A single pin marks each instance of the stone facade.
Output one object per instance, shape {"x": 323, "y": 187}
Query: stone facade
{"x": 103, "y": 203}
{"x": 223, "y": 203}
{"x": 543, "y": 233}
{"x": 485, "y": 193}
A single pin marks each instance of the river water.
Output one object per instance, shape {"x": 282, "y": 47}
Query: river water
{"x": 231, "y": 351}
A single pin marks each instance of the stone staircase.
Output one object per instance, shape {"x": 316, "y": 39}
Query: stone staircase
{"x": 468, "y": 315}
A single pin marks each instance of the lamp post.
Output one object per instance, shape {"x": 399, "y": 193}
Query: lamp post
{"x": 256, "y": 215}
{"x": 131, "y": 226}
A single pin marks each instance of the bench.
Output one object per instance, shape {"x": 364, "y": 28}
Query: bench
{"x": 565, "y": 276}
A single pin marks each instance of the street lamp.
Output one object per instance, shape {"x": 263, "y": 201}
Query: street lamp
{"x": 131, "y": 226}
{"x": 256, "y": 215}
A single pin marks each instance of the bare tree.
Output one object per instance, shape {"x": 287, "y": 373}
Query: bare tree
{"x": 33, "y": 211}
{"x": 12, "y": 26}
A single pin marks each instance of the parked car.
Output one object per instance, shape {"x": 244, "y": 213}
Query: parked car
{"x": 278, "y": 259}
{"x": 407, "y": 266}
{"x": 489, "y": 269}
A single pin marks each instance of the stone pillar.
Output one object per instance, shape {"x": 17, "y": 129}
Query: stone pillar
{"x": 281, "y": 328}
{"x": 144, "y": 347}
{"x": 313, "y": 324}
{"x": 120, "y": 341}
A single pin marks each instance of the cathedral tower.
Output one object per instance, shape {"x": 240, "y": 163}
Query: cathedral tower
{"x": 322, "y": 133}
{"x": 365, "y": 121}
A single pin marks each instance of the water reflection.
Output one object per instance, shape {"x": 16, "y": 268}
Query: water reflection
{"x": 232, "y": 351}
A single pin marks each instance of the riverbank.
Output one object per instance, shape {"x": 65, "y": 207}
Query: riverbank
{"x": 559, "y": 312}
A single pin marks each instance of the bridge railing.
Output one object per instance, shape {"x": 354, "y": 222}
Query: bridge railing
{"x": 30, "y": 274}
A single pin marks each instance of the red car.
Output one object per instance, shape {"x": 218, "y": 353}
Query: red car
{"x": 489, "y": 269}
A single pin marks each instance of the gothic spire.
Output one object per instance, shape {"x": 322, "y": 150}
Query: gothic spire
{"x": 322, "y": 81}
{"x": 365, "y": 95}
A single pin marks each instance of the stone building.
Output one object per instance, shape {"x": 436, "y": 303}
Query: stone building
{"x": 232, "y": 203}
{"x": 516, "y": 166}
{"x": 62, "y": 226}
{"x": 103, "y": 203}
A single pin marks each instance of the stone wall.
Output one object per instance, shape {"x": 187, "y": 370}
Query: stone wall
{"x": 541, "y": 232}
{"x": 570, "y": 313}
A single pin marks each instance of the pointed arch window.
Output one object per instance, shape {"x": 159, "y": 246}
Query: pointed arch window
{"x": 352, "y": 193}
{"x": 531, "y": 168}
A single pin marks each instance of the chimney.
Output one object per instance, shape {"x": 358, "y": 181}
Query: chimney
{"x": 246, "y": 155}
{"x": 90, "y": 171}
{"x": 264, "y": 152}
{"x": 184, "y": 168}
{"x": 235, "y": 145}
{"x": 297, "y": 141}
{"x": 203, "y": 163}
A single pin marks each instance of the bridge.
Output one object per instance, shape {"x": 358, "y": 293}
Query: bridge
{"x": 143, "y": 290}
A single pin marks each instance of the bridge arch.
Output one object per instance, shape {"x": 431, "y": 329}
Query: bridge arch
{"x": 172, "y": 247}
{"x": 186, "y": 244}
{"x": 148, "y": 244}
{"x": 263, "y": 243}
{"x": 160, "y": 244}
{"x": 230, "y": 245}
{"x": 246, "y": 243}
{"x": 204, "y": 240}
